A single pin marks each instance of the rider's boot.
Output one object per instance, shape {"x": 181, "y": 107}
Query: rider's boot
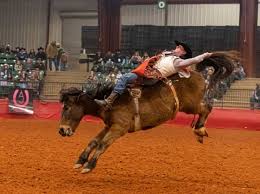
{"x": 108, "y": 102}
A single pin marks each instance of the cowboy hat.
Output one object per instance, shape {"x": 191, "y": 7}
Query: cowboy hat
{"x": 186, "y": 48}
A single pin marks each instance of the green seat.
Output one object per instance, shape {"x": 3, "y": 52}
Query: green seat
{"x": 2, "y": 55}
{"x": 11, "y": 61}
{"x": 2, "y": 61}
{"x": 12, "y": 57}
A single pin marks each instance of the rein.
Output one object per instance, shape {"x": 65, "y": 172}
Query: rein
{"x": 168, "y": 82}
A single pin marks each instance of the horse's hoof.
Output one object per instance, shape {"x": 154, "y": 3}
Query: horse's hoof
{"x": 77, "y": 166}
{"x": 200, "y": 139}
{"x": 85, "y": 165}
{"x": 201, "y": 131}
{"x": 85, "y": 170}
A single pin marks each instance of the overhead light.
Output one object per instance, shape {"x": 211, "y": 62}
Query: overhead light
{"x": 161, "y": 4}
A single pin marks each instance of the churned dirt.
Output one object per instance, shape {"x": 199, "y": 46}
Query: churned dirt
{"x": 34, "y": 158}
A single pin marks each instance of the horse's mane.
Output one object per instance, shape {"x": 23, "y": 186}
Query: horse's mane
{"x": 72, "y": 91}
{"x": 222, "y": 62}
{"x": 98, "y": 88}
{"x": 93, "y": 89}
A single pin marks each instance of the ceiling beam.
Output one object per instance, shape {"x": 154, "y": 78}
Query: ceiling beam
{"x": 145, "y": 2}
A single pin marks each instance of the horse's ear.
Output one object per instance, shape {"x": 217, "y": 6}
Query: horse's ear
{"x": 63, "y": 95}
{"x": 63, "y": 98}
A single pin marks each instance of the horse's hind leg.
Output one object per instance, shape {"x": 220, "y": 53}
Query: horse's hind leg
{"x": 83, "y": 158}
{"x": 199, "y": 129}
{"x": 114, "y": 133}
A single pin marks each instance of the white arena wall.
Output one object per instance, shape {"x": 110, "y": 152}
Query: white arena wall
{"x": 24, "y": 22}
{"x": 181, "y": 15}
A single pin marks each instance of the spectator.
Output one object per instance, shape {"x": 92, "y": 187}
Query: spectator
{"x": 28, "y": 64}
{"x": 2, "y": 48}
{"x": 239, "y": 72}
{"x": 135, "y": 59}
{"x": 16, "y": 51}
{"x": 31, "y": 54}
{"x": 108, "y": 57}
{"x": 98, "y": 57}
{"x": 208, "y": 73}
{"x": 18, "y": 66}
{"x": 6, "y": 72}
{"x": 145, "y": 56}
{"x": 8, "y": 49}
{"x": 255, "y": 98}
{"x": 41, "y": 54}
{"x": 52, "y": 53}
{"x": 22, "y": 55}
{"x": 60, "y": 52}
{"x": 108, "y": 66}
{"x": 63, "y": 61}
{"x": 118, "y": 58}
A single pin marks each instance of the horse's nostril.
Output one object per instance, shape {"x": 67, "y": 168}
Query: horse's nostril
{"x": 62, "y": 132}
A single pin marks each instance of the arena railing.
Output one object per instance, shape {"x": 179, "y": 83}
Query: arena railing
{"x": 235, "y": 98}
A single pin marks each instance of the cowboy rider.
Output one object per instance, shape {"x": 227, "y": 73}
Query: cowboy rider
{"x": 175, "y": 61}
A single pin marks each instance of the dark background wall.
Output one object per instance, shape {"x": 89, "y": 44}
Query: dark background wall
{"x": 200, "y": 39}
{"x": 153, "y": 38}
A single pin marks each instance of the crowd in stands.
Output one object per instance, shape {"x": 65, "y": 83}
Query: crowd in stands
{"x": 28, "y": 68}
{"x": 22, "y": 66}
{"x": 112, "y": 65}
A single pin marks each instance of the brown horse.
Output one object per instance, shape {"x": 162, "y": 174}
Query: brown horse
{"x": 157, "y": 105}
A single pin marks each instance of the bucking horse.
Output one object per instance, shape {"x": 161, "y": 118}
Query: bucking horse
{"x": 157, "y": 104}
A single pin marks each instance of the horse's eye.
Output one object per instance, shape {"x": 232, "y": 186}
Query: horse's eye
{"x": 66, "y": 108}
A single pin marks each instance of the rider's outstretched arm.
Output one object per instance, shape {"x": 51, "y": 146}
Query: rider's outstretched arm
{"x": 192, "y": 61}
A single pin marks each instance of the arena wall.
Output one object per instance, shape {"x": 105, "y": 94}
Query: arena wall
{"x": 181, "y": 15}
{"x": 142, "y": 15}
{"x": 67, "y": 18}
{"x": 23, "y": 23}
{"x": 203, "y": 15}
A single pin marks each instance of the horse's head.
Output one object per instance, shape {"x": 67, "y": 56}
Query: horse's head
{"x": 72, "y": 110}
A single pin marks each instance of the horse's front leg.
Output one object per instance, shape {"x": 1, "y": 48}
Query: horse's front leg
{"x": 199, "y": 129}
{"x": 114, "y": 133}
{"x": 83, "y": 158}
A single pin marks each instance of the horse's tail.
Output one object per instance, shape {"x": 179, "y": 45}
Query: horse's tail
{"x": 223, "y": 64}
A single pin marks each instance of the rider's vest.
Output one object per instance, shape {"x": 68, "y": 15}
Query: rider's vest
{"x": 166, "y": 65}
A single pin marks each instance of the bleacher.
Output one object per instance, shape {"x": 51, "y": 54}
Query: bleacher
{"x": 239, "y": 94}
{"x": 11, "y": 78}
{"x": 7, "y": 58}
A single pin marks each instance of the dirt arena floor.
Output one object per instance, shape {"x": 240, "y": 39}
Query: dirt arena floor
{"x": 34, "y": 158}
